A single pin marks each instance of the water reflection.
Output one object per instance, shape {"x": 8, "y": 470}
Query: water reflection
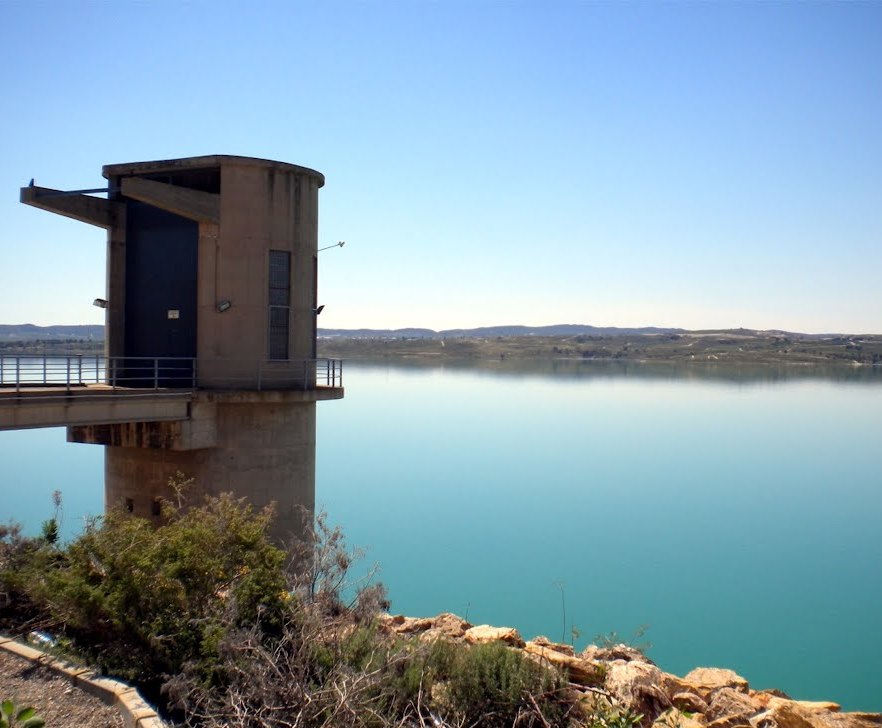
{"x": 690, "y": 371}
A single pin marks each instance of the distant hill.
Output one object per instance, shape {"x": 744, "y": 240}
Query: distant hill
{"x": 95, "y": 332}
{"x": 30, "y": 332}
{"x": 487, "y": 331}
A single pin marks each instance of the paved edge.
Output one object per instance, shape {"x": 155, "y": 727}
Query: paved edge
{"x": 136, "y": 712}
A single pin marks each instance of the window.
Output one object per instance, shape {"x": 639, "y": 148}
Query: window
{"x": 279, "y": 302}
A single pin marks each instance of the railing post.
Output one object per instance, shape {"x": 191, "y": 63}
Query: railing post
{"x": 341, "y": 372}
{"x": 193, "y": 371}
{"x": 44, "y": 369}
{"x": 17, "y": 374}
{"x": 67, "y": 383}
{"x": 156, "y": 374}
{"x": 2, "y": 368}
{"x": 113, "y": 373}
{"x": 79, "y": 369}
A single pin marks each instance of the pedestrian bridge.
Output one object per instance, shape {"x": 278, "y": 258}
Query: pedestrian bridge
{"x": 70, "y": 390}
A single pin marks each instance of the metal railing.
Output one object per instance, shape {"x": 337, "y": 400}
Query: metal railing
{"x": 69, "y": 371}
{"x": 261, "y": 375}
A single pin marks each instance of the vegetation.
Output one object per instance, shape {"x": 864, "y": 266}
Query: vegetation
{"x": 13, "y": 717}
{"x": 49, "y": 347}
{"x": 228, "y": 630}
{"x": 740, "y": 346}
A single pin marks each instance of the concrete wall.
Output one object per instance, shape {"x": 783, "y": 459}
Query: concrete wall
{"x": 262, "y": 209}
{"x": 264, "y": 453}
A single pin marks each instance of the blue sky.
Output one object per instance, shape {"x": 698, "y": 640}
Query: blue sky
{"x": 668, "y": 163}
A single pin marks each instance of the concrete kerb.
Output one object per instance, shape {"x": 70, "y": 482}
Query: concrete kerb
{"x": 136, "y": 712}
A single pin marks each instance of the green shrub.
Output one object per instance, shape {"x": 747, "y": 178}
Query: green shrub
{"x": 141, "y": 600}
{"x": 203, "y": 606}
{"x": 12, "y": 717}
{"x": 496, "y": 686}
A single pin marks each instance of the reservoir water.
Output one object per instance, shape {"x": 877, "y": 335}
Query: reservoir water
{"x": 737, "y": 514}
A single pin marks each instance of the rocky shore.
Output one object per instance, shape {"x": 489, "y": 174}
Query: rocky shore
{"x": 707, "y": 697}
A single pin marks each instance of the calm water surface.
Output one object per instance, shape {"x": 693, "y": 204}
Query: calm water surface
{"x": 738, "y": 515}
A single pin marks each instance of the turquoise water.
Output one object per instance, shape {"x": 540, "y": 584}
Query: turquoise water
{"x": 737, "y": 514}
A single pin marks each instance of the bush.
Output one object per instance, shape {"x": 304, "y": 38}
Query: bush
{"x": 203, "y": 605}
{"x": 140, "y": 601}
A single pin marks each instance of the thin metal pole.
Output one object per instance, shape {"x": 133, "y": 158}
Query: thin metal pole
{"x": 68, "y": 373}
{"x": 17, "y": 374}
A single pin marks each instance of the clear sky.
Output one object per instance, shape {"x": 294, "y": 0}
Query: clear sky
{"x": 687, "y": 164}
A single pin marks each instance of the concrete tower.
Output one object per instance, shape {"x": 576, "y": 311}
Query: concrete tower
{"x": 211, "y": 289}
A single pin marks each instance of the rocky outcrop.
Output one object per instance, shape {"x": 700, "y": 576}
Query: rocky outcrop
{"x": 707, "y": 680}
{"x": 429, "y": 628}
{"x": 582, "y": 672}
{"x": 706, "y": 697}
{"x": 638, "y": 686}
{"x": 485, "y": 633}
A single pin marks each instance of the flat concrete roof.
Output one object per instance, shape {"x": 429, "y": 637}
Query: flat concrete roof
{"x": 208, "y": 161}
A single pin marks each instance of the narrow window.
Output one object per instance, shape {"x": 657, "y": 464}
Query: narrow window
{"x": 130, "y": 505}
{"x": 156, "y": 507}
{"x": 279, "y": 302}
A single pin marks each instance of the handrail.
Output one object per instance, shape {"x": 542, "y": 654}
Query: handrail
{"x": 80, "y": 370}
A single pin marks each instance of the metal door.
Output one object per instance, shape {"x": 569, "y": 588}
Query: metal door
{"x": 160, "y": 317}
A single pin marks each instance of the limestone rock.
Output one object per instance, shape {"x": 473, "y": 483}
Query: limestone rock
{"x": 485, "y": 633}
{"x": 637, "y": 686}
{"x": 616, "y": 652}
{"x": 580, "y": 671}
{"x": 675, "y": 718}
{"x": 706, "y": 680}
{"x": 564, "y": 649}
{"x": 689, "y": 702}
{"x": 732, "y": 704}
{"x": 773, "y": 698}
{"x": 450, "y": 625}
{"x": 407, "y": 625}
{"x": 731, "y": 721}
{"x": 444, "y": 625}
{"x": 783, "y": 713}
{"x": 818, "y": 705}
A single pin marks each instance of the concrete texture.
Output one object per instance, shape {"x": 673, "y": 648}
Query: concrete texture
{"x": 87, "y": 405}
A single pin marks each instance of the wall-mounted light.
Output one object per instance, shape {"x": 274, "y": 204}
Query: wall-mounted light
{"x": 318, "y": 310}
{"x": 223, "y": 306}
{"x": 100, "y": 303}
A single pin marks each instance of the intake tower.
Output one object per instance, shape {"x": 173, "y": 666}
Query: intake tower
{"x": 211, "y": 307}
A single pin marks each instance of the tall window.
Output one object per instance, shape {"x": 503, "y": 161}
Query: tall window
{"x": 279, "y": 302}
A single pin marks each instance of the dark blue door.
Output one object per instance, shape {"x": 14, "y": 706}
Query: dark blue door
{"x": 160, "y": 323}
